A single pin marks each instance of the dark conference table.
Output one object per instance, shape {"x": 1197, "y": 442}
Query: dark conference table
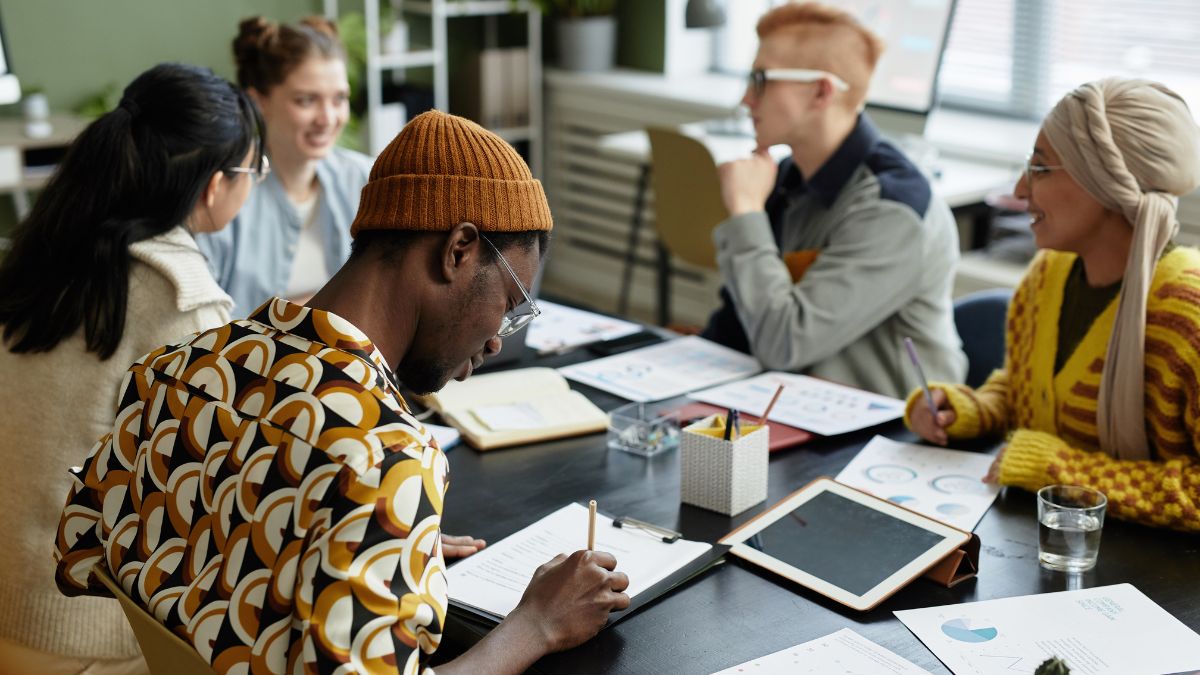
{"x": 735, "y": 613}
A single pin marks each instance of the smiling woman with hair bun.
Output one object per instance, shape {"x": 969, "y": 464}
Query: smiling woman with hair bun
{"x": 294, "y": 232}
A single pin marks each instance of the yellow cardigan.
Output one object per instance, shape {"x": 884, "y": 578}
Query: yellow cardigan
{"x": 1053, "y": 418}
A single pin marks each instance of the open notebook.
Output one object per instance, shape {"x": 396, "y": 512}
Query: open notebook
{"x": 513, "y": 407}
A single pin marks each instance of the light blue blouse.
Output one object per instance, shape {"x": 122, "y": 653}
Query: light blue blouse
{"x": 252, "y": 258}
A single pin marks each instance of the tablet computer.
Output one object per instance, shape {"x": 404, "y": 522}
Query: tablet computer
{"x": 843, "y": 543}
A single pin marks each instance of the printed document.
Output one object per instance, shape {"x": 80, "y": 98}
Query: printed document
{"x": 844, "y": 652}
{"x": 494, "y": 579}
{"x": 560, "y": 328}
{"x": 807, "y": 403}
{"x": 665, "y": 370}
{"x": 946, "y": 485}
{"x": 1110, "y": 630}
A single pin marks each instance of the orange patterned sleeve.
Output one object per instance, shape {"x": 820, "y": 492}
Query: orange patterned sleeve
{"x": 372, "y": 589}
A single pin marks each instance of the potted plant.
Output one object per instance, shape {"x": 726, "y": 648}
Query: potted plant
{"x": 586, "y": 32}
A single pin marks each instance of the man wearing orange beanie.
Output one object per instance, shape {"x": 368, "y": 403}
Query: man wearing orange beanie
{"x": 265, "y": 492}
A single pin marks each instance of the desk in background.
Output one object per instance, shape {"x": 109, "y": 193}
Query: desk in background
{"x": 20, "y": 169}
{"x": 735, "y": 613}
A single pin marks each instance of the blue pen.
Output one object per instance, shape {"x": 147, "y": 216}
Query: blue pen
{"x": 912, "y": 355}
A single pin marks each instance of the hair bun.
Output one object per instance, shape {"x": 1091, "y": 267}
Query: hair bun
{"x": 253, "y": 34}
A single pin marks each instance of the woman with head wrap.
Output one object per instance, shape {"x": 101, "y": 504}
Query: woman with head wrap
{"x": 1101, "y": 381}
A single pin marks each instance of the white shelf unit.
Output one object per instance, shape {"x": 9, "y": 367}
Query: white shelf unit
{"x": 434, "y": 56}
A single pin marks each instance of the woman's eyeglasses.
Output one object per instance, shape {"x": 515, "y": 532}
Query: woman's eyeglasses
{"x": 259, "y": 172}
{"x": 760, "y": 76}
{"x": 1037, "y": 170}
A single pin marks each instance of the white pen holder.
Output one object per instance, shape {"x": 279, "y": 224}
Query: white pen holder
{"x": 723, "y": 476}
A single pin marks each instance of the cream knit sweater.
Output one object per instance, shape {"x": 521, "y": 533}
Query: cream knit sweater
{"x": 53, "y": 408}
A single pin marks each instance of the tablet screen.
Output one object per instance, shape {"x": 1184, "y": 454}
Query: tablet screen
{"x": 844, "y": 542}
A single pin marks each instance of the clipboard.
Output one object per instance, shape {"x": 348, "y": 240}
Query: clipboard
{"x": 825, "y": 537}
{"x": 695, "y": 567}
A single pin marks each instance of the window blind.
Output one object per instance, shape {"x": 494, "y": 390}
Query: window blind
{"x": 1018, "y": 57}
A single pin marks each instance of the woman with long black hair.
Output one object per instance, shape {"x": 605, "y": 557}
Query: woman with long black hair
{"x": 103, "y": 270}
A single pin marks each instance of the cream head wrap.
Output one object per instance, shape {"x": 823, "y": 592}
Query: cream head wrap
{"x": 1133, "y": 146}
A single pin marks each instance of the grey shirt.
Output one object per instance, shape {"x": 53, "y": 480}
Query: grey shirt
{"x": 886, "y": 254}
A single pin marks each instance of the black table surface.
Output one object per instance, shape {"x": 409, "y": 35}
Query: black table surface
{"x": 736, "y": 612}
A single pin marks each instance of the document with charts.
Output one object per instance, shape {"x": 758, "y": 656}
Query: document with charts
{"x": 844, "y": 652}
{"x": 946, "y": 485}
{"x": 665, "y": 370}
{"x": 1109, "y": 630}
{"x": 807, "y": 403}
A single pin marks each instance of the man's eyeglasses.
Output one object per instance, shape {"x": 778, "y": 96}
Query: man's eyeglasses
{"x": 1036, "y": 170}
{"x": 518, "y": 317}
{"x": 259, "y": 172}
{"x": 760, "y": 76}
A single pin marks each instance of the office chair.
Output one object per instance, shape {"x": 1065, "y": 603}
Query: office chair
{"x": 165, "y": 652}
{"x": 980, "y": 319}
{"x": 687, "y": 206}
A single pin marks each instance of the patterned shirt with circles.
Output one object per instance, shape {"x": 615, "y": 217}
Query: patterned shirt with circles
{"x": 266, "y": 494}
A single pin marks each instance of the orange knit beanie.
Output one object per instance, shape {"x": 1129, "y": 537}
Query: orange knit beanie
{"x": 442, "y": 170}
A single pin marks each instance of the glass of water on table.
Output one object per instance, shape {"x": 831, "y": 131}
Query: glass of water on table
{"x": 1069, "y": 522}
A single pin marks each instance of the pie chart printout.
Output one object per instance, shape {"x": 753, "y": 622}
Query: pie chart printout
{"x": 961, "y": 630}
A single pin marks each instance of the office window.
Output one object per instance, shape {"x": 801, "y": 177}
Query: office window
{"x": 1018, "y": 57}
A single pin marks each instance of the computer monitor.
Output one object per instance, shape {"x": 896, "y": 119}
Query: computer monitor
{"x": 904, "y": 88}
{"x": 10, "y": 89}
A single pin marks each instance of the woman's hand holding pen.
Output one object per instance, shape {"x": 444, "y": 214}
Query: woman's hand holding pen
{"x": 922, "y": 421}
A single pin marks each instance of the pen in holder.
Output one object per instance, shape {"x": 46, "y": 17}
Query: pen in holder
{"x": 726, "y": 476}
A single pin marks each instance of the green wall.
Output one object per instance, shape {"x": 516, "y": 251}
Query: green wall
{"x": 641, "y": 27}
{"x": 73, "y": 49}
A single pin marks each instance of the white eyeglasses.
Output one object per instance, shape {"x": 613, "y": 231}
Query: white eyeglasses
{"x": 516, "y": 318}
{"x": 760, "y": 76}
{"x": 1037, "y": 170}
{"x": 258, "y": 172}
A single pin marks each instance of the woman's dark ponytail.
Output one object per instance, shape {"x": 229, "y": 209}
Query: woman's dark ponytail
{"x": 133, "y": 174}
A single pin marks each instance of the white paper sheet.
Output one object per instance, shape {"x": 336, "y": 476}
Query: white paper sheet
{"x": 844, "y": 653}
{"x": 815, "y": 405}
{"x": 665, "y": 370}
{"x": 1113, "y": 630}
{"x": 560, "y": 328}
{"x": 510, "y": 416}
{"x": 495, "y": 578}
{"x": 447, "y": 437}
{"x": 943, "y": 484}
